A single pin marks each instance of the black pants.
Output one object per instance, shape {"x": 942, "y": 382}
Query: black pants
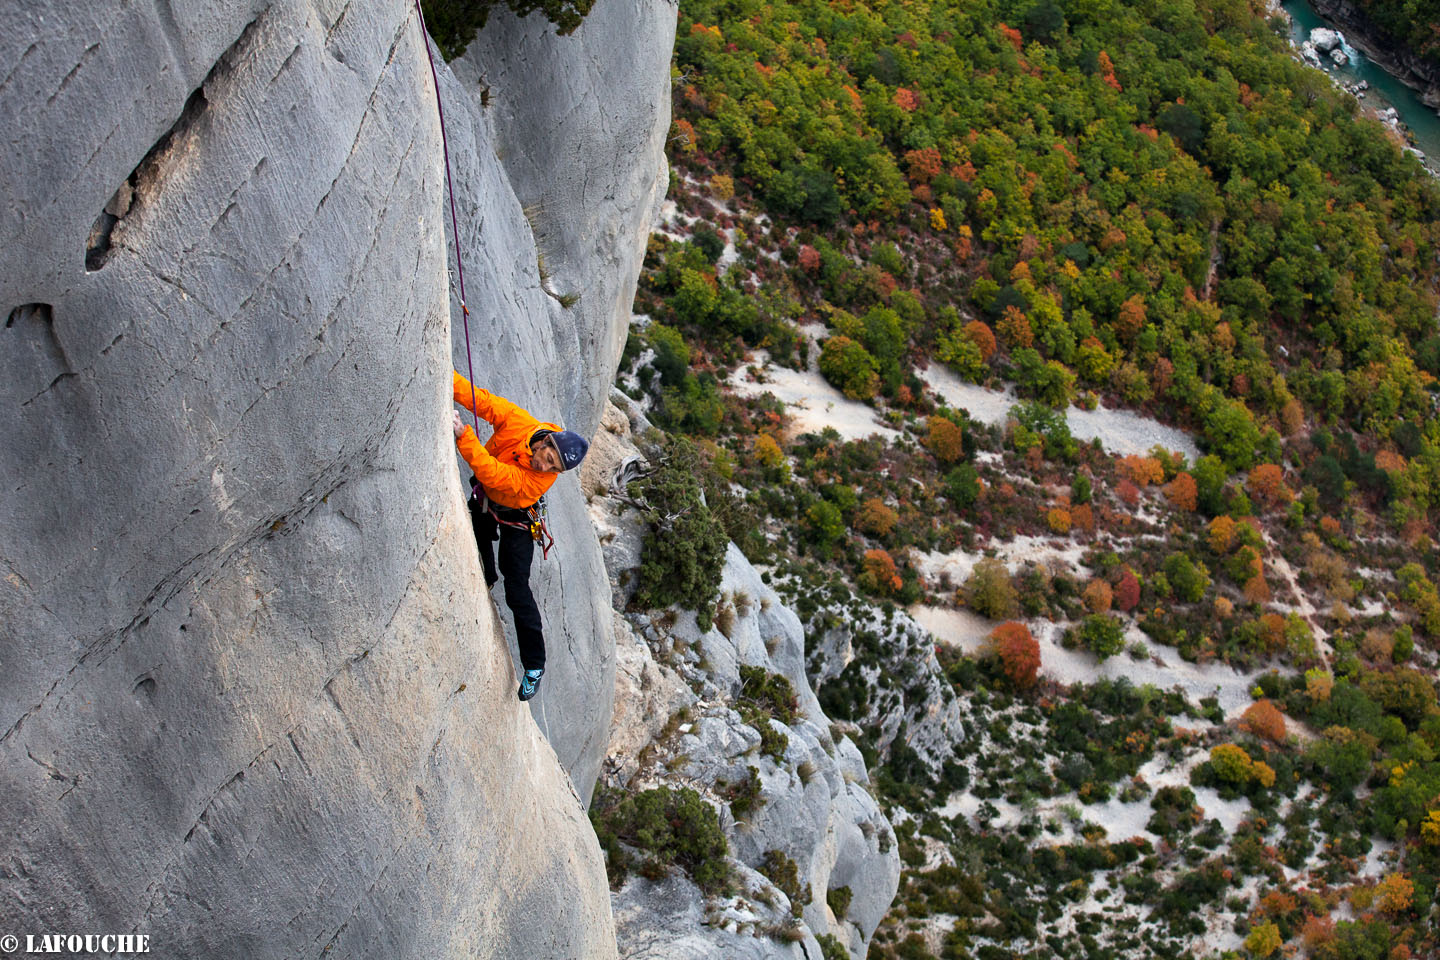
{"x": 517, "y": 549}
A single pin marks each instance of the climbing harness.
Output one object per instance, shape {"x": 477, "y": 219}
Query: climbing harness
{"x": 533, "y": 524}
{"x": 454, "y": 218}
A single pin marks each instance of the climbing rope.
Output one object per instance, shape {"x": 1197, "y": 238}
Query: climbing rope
{"x": 454, "y": 219}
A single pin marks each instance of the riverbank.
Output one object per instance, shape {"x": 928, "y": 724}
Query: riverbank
{"x": 1400, "y": 63}
{"x": 1387, "y": 92}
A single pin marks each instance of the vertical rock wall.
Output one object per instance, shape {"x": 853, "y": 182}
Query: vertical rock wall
{"x": 558, "y": 146}
{"x": 252, "y": 700}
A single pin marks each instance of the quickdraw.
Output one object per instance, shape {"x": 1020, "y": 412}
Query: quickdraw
{"x": 534, "y": 524}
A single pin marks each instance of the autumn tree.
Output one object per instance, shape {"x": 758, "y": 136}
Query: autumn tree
{"x": 1395, "y": 894}
{"x": 1264, "y": 720}
{"x": 1014, "y": 328}
{"x": 1130, "y": 318}
{"x": 1264, "y": 940}
{"x": 1221, "y": 534}
{"x": 1266, "y": 484}
{"x": 1018, "y": 651}
{"x": 979, "y": 333}
{"x": 767, "y": 452}
{"x": 878, "y": 573}
{"x": 1141, "y": 471}
{"x": 1181, "y": 492}
{"x": 1059, "y": 520}
{"x": 875, "y": 518}
{"x": 1256, "y": 590}
{"x": 1127, "y": 590}
{"x": 1097, "y": 596}
{"x": 1318, "y": 684}
{"x": 944, "y": 439}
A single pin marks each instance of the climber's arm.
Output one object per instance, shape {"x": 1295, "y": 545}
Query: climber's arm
{"x": 486, "y": 405}
{"x": 512, "y": 481}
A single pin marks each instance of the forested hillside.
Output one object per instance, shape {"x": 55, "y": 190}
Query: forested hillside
{"x": 1151, "y": 196}
{"x": 1198, "y": 680}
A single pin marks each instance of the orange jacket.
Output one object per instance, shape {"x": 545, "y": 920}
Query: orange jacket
{"x": 502, "y": 465}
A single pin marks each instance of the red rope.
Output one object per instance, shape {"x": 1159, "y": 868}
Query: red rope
{"x": 454, "y": 220}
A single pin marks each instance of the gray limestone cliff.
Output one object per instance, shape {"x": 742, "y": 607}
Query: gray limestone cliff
{"x": 254, "y": 701}
{"x": 681, "y": 721}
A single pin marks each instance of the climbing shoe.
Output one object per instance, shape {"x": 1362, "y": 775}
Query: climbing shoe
{"x": 530, "y": 683}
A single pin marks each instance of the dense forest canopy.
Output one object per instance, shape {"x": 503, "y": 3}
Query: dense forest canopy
{"x": 1150, "y": 199}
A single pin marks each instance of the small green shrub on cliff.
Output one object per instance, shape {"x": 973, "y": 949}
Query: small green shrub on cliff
{"x": 831, "y": 948}
{"x": 839, "y": 900}
{"x": 669, "y": 827}
{"x": 763, "y": 697}
{"x": 454, "y": 23}
{"x": 684, "y": 550}
{"x": 783, "y": 872}
{"x": 770, "y": 691}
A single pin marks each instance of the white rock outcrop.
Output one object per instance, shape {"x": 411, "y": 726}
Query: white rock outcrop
{"x": 813, "y": 805}
{"x": 1326, "y": 39}
{"x": 253, "y": 701}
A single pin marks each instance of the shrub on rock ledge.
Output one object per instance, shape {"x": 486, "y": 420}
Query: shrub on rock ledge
{"x": 684, "y": 551}
{"x": 669, "y": 827}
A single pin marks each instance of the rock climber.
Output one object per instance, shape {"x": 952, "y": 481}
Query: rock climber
{"x": 513, "y": 469}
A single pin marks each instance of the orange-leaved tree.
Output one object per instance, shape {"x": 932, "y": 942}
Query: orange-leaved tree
{"x": 1182, "y": 492}
{"x": 1263, "y": 719}
{"x": 1018, "y": 651}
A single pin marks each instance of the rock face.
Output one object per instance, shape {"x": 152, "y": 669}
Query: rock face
{"x": 253, "y": 701}
{"x": 811, "y": 806}
{"x": 573, "y": 129}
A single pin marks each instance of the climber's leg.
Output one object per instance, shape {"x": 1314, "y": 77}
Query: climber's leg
{"x": 517, "y": 549}
{"x": 485, "y": 527}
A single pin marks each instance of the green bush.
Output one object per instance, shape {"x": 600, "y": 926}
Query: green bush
{"x": 839, "y": 900}
{"x": 710, "y": 243}
{"x": 962, "y": 486}
{"x": 672, "y": 355}
{"x": 826, "y": 526}
{"x": 684, "y": 550}
{"x": 742, "y": 795}
{"x": 770, "y": 691}
{"x": 1187, "y": 578}
{"x": 850, "y": 368}
{"x": 783, "y": 872}
{"x": 831, "y": 948}
{"x": 670, "y": 827}
{"x": 989, "y": 591}
{"x": 1102, "y": 635}
{"x": 765, "y": 696}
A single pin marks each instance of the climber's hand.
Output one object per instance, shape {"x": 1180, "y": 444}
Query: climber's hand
{"x": 457, "y": 424}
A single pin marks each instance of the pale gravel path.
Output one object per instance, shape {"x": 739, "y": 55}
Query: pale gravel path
{"x": 811, "y": 402}
{"x": 1120, "y": 431}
